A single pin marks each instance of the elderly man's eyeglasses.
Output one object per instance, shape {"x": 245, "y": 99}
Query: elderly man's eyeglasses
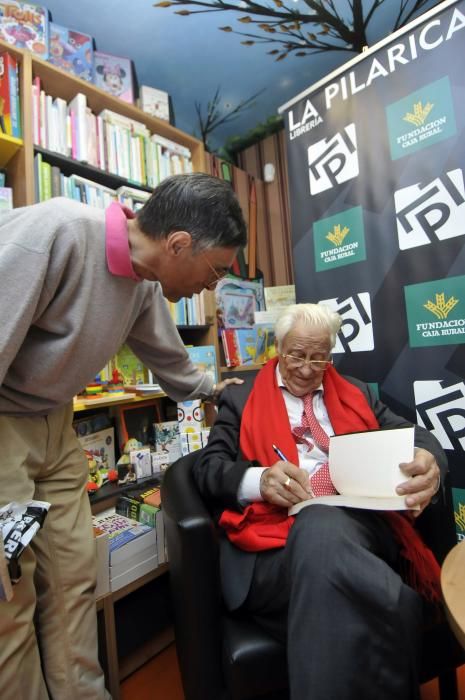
{"x": 294, "y": 362}
{"x": 219, "y": 275}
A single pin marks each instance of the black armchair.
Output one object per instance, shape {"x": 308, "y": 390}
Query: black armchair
{"x": 229, "y": 657}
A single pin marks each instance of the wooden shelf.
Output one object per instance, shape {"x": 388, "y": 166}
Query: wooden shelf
{"x": 78, "y": 406}
{"x": 9, "y": 146}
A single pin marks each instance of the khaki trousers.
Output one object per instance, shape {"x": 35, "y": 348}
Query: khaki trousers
{"x": 48, "y": 632}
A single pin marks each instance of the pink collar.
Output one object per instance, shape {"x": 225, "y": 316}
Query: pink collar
{"x": 117, "y": 241}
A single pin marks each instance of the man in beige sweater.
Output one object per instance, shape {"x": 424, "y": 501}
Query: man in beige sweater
{"x": 75, "y": 284}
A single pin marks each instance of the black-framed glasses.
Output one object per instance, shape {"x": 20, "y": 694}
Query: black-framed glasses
{"x": 294, "y": 362}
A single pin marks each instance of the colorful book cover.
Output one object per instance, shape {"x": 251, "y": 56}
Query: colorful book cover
{"x": 230, "y": 347}
{"x": 167, "y": 439}
{"x": 246, "y": 341}
{"x": 265, "y": 348}
{"x": 129, "y": 367}
{"x": 72, "y": 51}
{"x": 10, "y": 119}
{"x": 204, "y": 358}
{"x": 25, "y": 25}
{"x": 114, "y": 75}
{"x": 232, "y": 311}
{"x": 282, "y": 295}
{"x": 154, "y": 102}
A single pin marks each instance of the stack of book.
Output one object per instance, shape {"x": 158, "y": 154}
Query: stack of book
{"x": 132, "y": 547}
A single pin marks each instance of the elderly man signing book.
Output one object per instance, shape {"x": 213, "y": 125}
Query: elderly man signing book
{"x": 342, "y": 586}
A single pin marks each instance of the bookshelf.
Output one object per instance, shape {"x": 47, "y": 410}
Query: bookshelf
{"x": 17, "y": 157}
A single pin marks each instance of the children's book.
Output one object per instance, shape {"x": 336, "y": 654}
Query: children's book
{"x": 246, "y": 341}
{"x": 204, "y": 358}
{"x": 114, "y": 75}
{"x": 167, "y": 439}
{"x": 129, "y": 366}
{"x": 25, "y": 26}
{"x": 265, "y": 348}
{"x": 282, "y": 295}
{"x": 230, "y": 347}
{"x": 237, "y": 299}
{"x": 364, "y": 469}
{"x": 72, "y": 51}
{"x": 154, "y": 102}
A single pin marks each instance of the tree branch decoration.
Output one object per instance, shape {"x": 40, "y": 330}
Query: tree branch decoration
{"x": 321, "y": 27}
{"x": 215, "y": 117}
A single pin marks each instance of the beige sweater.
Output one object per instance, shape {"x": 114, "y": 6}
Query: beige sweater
{"x": 63, "y": 315}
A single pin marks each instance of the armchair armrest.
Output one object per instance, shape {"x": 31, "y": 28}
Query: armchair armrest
{"x": 194, "y": 580}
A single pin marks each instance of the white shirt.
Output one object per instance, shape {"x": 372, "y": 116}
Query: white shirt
{"x": 310, "y": 460}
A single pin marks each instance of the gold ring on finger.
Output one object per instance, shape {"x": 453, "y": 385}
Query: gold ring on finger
{"x": 287, "y": 482}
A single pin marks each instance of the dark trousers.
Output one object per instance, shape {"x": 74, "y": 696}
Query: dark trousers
{"x": 333, "y": 595}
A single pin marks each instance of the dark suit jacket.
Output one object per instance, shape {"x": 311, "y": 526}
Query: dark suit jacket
{"x": 218, "y": 474}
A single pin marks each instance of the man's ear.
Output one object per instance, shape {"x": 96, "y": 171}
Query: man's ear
{"x": 178, "y": 242}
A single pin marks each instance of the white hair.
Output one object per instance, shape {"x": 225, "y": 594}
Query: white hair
{"x": 310, "y": 315}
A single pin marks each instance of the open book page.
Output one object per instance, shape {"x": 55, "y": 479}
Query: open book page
{"x": 364, "y": 468}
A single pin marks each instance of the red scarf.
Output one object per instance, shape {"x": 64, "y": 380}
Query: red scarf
{"x": 265, "y": 421}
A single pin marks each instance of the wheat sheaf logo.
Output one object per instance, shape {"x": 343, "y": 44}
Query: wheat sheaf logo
{"x": 459, "y": 517}
{"x": 419, "y": 113}
{"x": 441, "y": 308}
{"x": 337, "y": 235}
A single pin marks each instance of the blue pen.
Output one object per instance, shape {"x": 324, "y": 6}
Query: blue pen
{"x": 279, "y": 453}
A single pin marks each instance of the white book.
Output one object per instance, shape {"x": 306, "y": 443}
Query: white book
{"x": 134, "y": 573}
{"x": 364, "y": 469}
{"x": 78, "y": 105}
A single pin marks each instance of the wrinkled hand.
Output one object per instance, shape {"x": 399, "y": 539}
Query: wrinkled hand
{"x": 423, "y": 483}
{"x": 285, "y": 484}
{"x": 218, "y": 388}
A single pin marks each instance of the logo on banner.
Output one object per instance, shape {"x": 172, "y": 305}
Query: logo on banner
{"x": 356, "y": 334}
{"x": 301, "y": 122}
{"x": 421, "y": 119}
{"x": 339, "y": 239}
{"x": 441, "y": 410}
{"x": 436, "y": 312}
{"x": 333, "y": 161}
{"x": 458, "y": 500}
{"x": 435, "y": 210}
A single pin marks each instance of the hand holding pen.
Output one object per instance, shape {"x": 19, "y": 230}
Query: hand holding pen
{"x": 284, "y": 484}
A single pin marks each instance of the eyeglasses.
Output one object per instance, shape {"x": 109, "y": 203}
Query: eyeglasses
{"x": 299, "y": 362}
{"x": 219, "y": 275}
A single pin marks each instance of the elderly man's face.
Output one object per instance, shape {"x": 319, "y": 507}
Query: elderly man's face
{"x": 303, "y": 343}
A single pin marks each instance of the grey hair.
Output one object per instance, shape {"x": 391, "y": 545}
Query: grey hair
{"x": 311, "y": 315}
{"x": 203, "y": 205}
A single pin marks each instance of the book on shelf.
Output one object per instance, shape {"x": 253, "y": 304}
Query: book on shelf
{"x": 137, "y": 422}
{"x": 129, "y": 367}
{"x": 154, "y": 102}
{"x": 364, "y": 469}
{"x": 203, "y": 357}
{"x": 114, "y": 75}
{"x": 25, "y": 25}
{"x": 237, "y": 300}
{"x": 6, "y": 199}
{"x": 281, "y": 295}
{"x": 168, "y": 439}
{"x": 10, "y": 115}
{"x": 126, "y": 537}
{"x": 71, "y": 51}
{"x": 265, "y": 348}
{"x": 230, "y": 347}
